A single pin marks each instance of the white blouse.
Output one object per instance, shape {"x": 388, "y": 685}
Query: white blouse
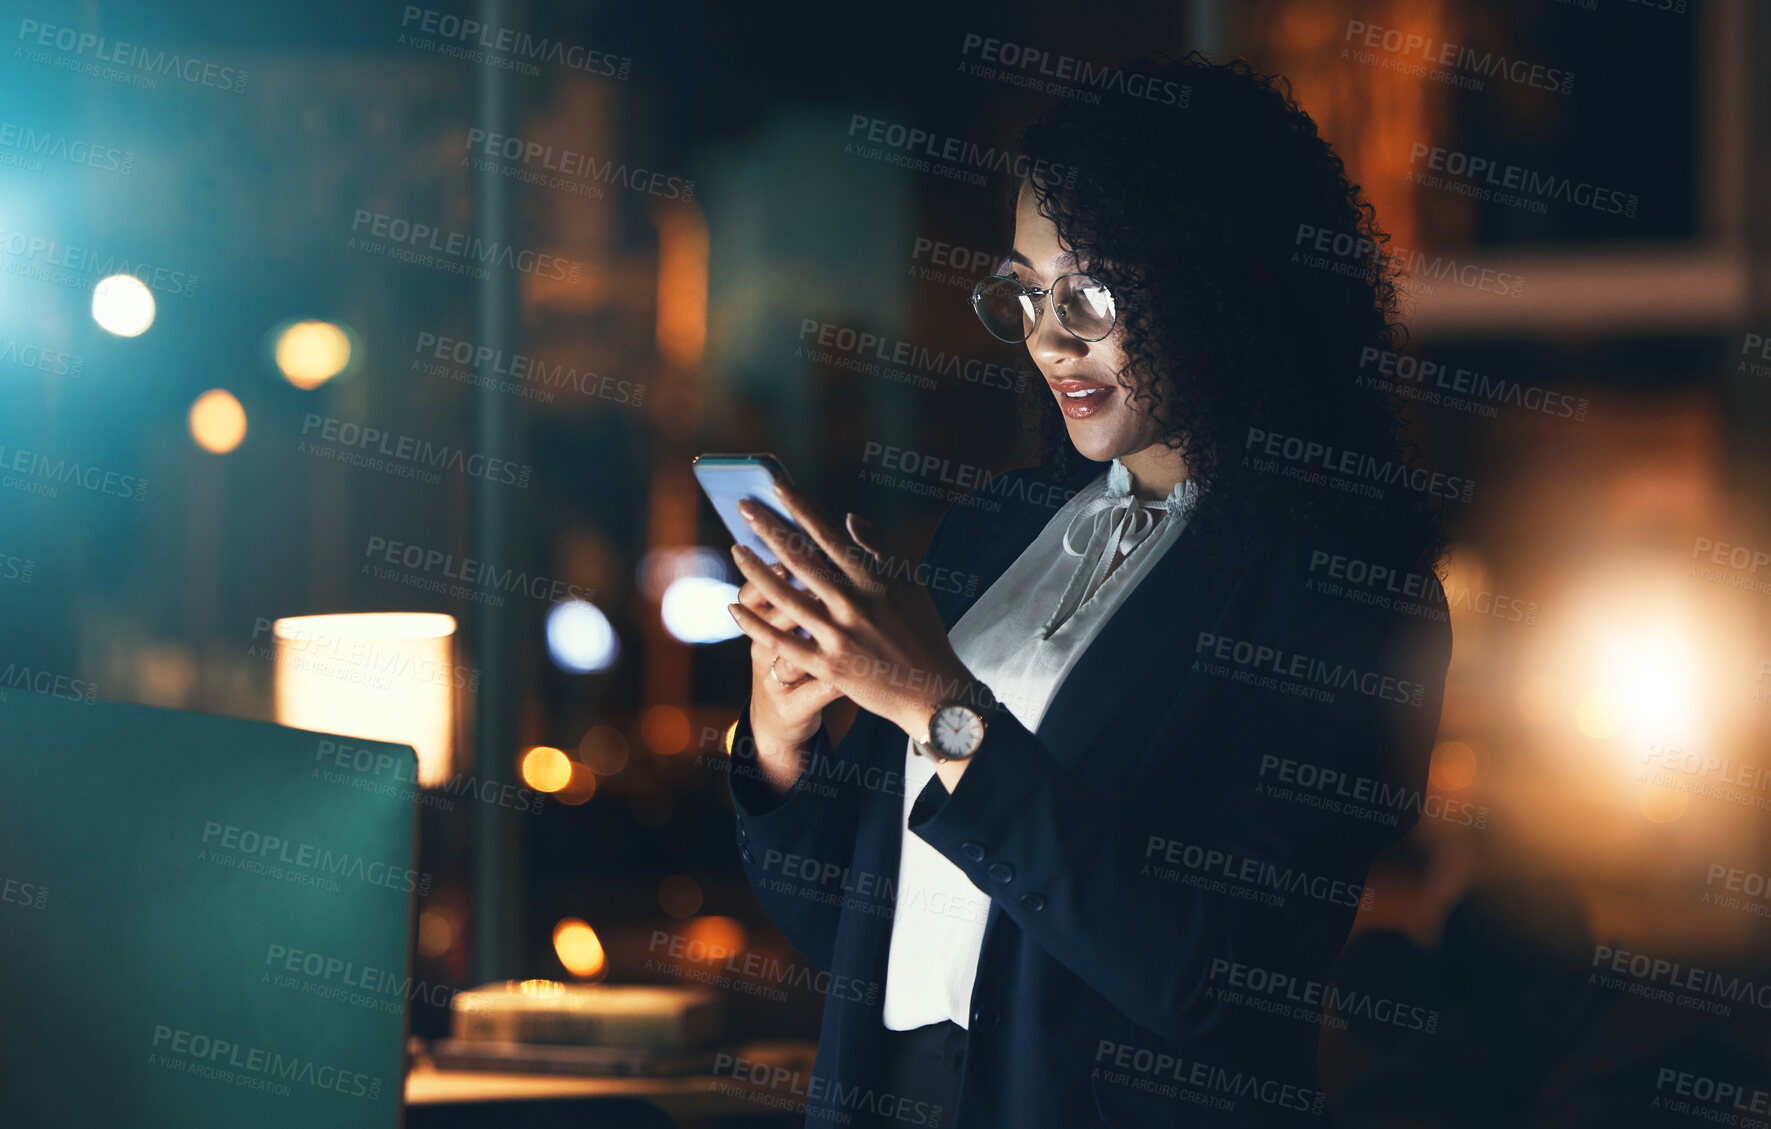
{"x": 1020, "y": 639}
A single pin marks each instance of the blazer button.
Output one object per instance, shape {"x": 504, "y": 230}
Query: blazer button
{"x": 973, "y": 851}
{"x": 744, "y": 852}
{"x": 741, "y": 833}
{"x": 1033, "y": 902}
{"x": 1002, "y": 872}
{"x": 983, "y": 1016}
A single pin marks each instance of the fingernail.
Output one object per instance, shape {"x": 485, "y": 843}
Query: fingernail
{"x": 747, "y": 507}
{"x": 738, "y": 552}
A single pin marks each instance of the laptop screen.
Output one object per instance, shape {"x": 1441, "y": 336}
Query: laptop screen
{"x": 203, "y": 920}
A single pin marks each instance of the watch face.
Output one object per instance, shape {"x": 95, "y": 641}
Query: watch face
{"x": 956, "y": 732}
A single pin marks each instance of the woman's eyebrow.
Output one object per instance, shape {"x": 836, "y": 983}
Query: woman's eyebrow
{"x": 1067, "y": 259}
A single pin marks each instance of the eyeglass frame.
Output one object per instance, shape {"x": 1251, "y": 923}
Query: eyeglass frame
{"x": 1036, "y": 293}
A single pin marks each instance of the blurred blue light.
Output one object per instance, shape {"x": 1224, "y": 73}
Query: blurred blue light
{"x": 694, "y": 609}
{"x": 579, "y": 637}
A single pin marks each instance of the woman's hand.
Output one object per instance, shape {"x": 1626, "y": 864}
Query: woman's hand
{"x": 786, "y": 704}
{"x": 875, "y": 634}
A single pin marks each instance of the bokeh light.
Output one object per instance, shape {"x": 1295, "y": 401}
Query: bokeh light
{"x": 666, "y": 730}
{"x": 695, "y": 609}
{"x": 217, "y": 421}
{"x": 546, "y": 769}
{"x": 603, "y": 749}
{"x": 580, "y": 639}
{"x": 680, "y": 896}
{"x": 579, "y": 948}
{"x": 123, "y": 305}
{"x": 309, "y": 353}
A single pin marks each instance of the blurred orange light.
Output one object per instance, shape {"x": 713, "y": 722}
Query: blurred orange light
{"x": 731, "y": 735}
{"x": 217, "y": 421}
{"x": 579, "y": 948}
{"x": 717, "y": 936}
{"x": 1663, "y": 805}
{"x": 546, "y": 769}
{"x": 580, "y": 788}
{"x": 1541, "y": 701}
{"x": 665, "y": 730}
{"x": 310, "y": 353}
{"x": 436, "y": 933}
{"x": 603, "y": 749}
{"x": 680, "y": 895}
{"x": 1597, "y": 713}
{"x": 1453, "y": 767}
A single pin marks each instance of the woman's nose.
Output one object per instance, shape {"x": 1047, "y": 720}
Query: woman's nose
{"x": 1051, "y": 342}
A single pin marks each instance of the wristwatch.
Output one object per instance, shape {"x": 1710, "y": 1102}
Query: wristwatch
{"x": 955, "y": 732}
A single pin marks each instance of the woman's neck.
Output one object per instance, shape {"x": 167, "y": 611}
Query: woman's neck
{"x": 1154, "y": 471}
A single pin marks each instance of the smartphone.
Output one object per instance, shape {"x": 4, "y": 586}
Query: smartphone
{"x": 727, "y": 479}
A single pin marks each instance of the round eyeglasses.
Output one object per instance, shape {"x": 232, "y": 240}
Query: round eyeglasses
{"x": 1010, "y": 311}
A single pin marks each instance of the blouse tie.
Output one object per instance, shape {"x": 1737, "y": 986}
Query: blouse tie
{"x": 1129, "y": 522}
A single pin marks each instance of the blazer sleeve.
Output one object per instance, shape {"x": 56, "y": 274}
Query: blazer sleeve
{"x": 797, "y": 847}
{"x": 1129, "y": 876}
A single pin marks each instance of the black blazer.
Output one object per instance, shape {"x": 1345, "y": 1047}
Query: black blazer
{"x": 1173, "y": 860}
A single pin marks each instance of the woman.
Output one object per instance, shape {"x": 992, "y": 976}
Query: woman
{"x": 1102, "y": 825}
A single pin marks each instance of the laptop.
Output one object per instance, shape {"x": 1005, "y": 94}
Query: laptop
{"x": 204, "y": 921}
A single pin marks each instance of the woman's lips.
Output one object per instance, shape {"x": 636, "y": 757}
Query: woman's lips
{"x": 1079, "y": 399}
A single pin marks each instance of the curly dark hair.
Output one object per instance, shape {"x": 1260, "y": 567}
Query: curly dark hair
{"x": 1192, "y": 216}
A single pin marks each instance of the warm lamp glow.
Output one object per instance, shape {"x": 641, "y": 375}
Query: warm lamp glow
{"x": 384, "y": 676}
{"x": 217, "y": 421}
{"x": 1453, "y": 767}
{"x": 1663, "y": 805}
{"x": 310, "y": 353}
{"x": 716, "y": 936}
{"x": 680, "y": 896}
{"x": 579, "y": 948}
{"x": 1597, "y": 713}
{"x": 665, "y": 730}
{"x": 546, "y": 769}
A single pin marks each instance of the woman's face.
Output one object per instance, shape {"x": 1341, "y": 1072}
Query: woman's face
{"x": 1099, "y": 414}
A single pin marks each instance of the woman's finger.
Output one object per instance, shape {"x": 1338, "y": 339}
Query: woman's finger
{"x": 800, "y": 607}
{"x": 848, "y": 555}
{"x": 803, "y": 653}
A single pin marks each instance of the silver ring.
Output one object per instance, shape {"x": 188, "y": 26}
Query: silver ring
{"x": 777, "y": 677}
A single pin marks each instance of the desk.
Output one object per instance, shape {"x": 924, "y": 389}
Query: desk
{"x": 683, "y": 1098}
